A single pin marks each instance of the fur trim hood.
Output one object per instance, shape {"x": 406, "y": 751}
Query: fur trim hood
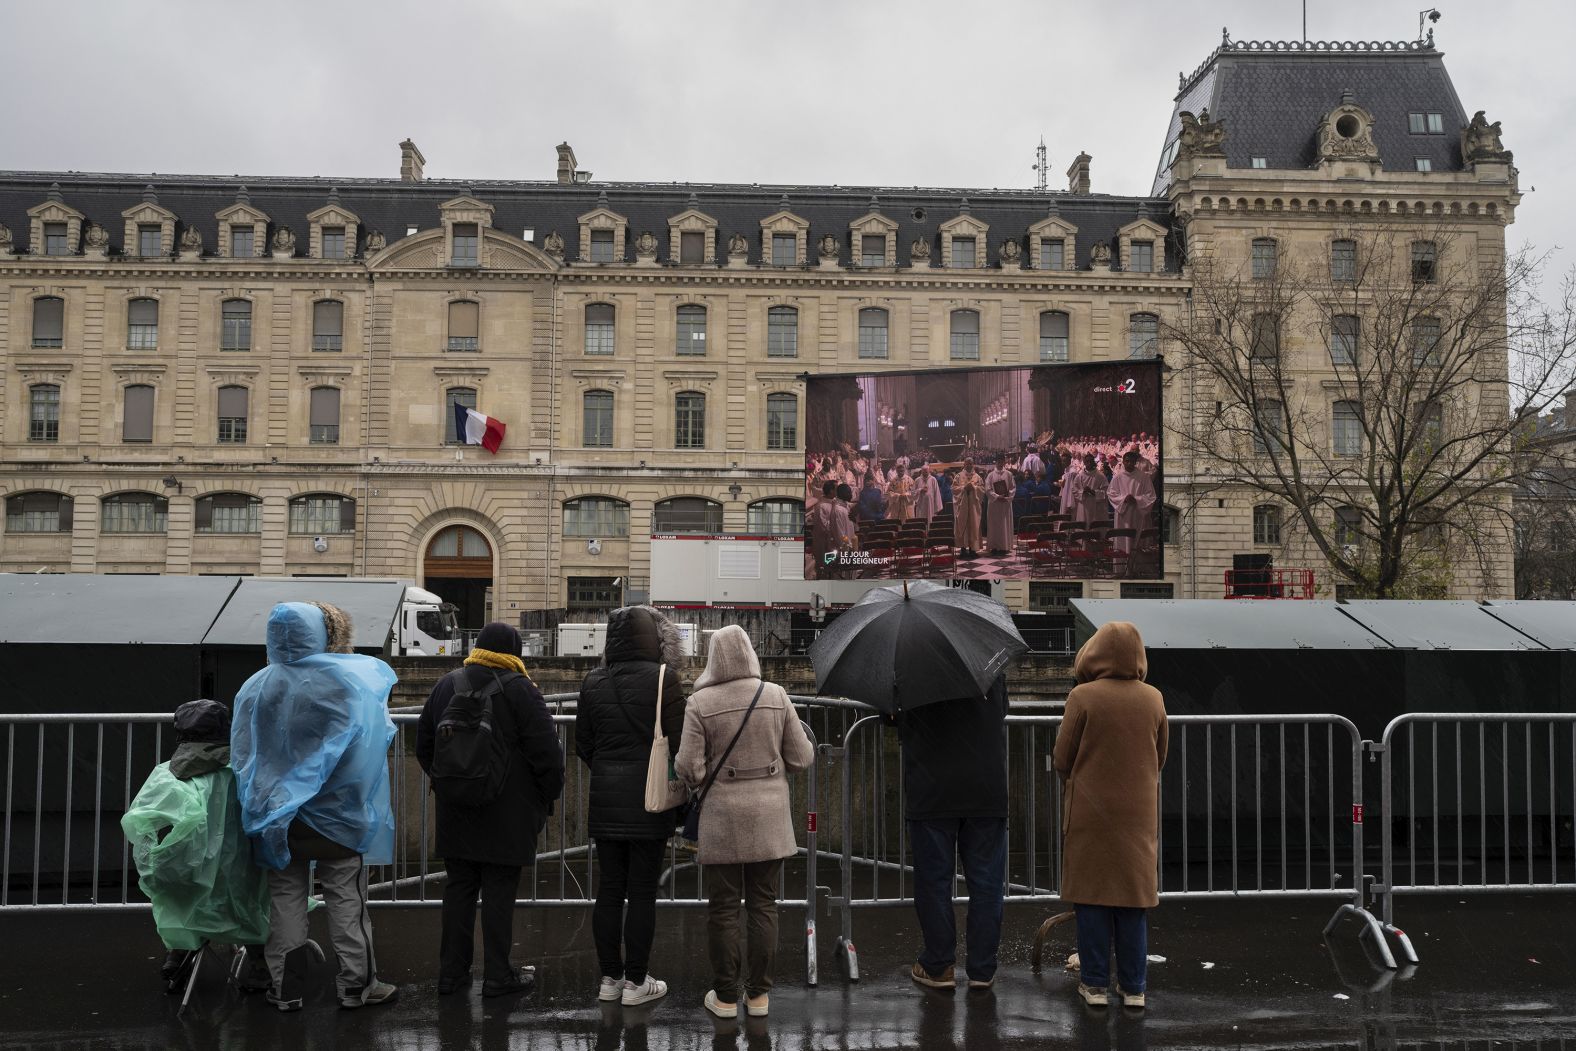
{"x": 337, "y": 623}
{"x": 641, "y": 633}
{"x": 729, "y": 657}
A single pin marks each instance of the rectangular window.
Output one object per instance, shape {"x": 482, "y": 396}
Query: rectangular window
{"x": 689, "y": 423}
{"x": 600, "y": 334}
{"x": 1161, "y": 591}
{"x": 1261, "y": 162}
{"x": 322, "y": 514}
{"x": 324, "y": 416}
{"x": 602, "y": 246}
{"x": 1143, "y": 336}
{"x": 465, "y": 319}
{"x": 1345, "y": 329}
{"x": 134, "y": 513}
{"x": 333, "y": 242}
{"x": 872, "y": 250}
{"x": 785, "y": 249}
{"x": 1415, "y": 123}
{"x": 1053, "y": 595}
{"x": 1266, "y": 524}
{"x": 232, "y": 415}
{"x": 1269, "y": 426}
{"x": 1427, "y": 334}
{"x": 1424, "y": 164}
{"x": 873, "y": 333}
{"x": 597, "y": 424}
{"x": 1264, "y": 339}
{"x": 233, "y": 513}
{"x": 1348, "y": 526}
{"x": 782, "y": 422}
{"x": 150, "y": 239}
{"x": 963, "y": 255}
{"x": 1141, "y": 257}
{"x": 965, "y": 335}
{"x": 142, "y": 324}
{"x": 137, "y": 417}
{"x": 466, "y": 245}
{"x": 1053, "y": 253}
{"x": 43, "y": 422}
{"x": 596, "y": 594}
{"x": 49, "y": 322}
{"x": 691, "y": 340}
{"x": 692, "y": 247}
{"x": 1264, "y": 255}
{"x": 1425, "y": 261}
{"x": 235, "y": 325}
{"x": 596, "y": 516}
{"x": 242, "y": 245}
{"x": 456, "y": 396}
{"x": 782, "y": 332}
{"x": 1436, "y": 123}
{"x": 1053, "y": 336}
{"x": 328, "y": 325}
{"x": 1346, "y": 429}
{"x": 55, "y": 239}
{"x": 1343, "y": 261}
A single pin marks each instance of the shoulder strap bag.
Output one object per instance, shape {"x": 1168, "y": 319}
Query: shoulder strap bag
{"x": 692, "y": 819}
{"x": 664, "y": 790}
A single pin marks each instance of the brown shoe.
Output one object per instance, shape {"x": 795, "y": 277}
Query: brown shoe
{"x": 944, "y": 980}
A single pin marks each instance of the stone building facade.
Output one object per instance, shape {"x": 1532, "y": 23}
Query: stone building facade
{"x": 203, "y": 376}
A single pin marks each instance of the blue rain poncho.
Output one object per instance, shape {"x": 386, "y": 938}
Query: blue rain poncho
{"x": 310, "y": 739}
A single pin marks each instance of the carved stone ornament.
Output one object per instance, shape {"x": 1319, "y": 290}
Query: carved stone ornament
{"x": 191, "y": 240}
{"x": 1480, "y": 141}
{"x": 553, "y": 245}
{"x": 1200, "y": 136}
{"x": 376, "y": 242}
{"x": 284, "y": 241}
{"x": 1100, "y": 254}
{"x": 646, "y": 244}
{"x": 1010, "y": 251}
{"x": 6, "y": 239}
{"x": 828, "y": 247}
{"x": 920, "y": 249}
{"x": 738, "y": 244}
{"x": 94, "y": 237}
{"x": 1347, "y": 135}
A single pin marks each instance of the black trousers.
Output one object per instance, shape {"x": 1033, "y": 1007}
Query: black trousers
{"x": 629, "y": 873}
{"x": 498, "y": 885}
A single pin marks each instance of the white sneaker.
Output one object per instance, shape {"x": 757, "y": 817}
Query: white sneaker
{"x": 647, "y": 991}
{"x": 612, "y": 989}
{"x": 718, "y": 1008}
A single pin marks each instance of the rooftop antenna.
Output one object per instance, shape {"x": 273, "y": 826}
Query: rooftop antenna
{"x": 1041, "y": 167}
{"x": 1427, "y": 14}
{"x": 1304, "y": 21}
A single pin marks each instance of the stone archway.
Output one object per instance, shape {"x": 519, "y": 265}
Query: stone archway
{"x": 457, "y": 565}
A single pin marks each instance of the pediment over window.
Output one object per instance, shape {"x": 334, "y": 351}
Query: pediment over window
{"x": 148, "y": 214}
{"x": 783, "y": 222}
{"x": 603, "y": 219}
{"x": 692, "y": 221}
{"x": 964, "y": 226}
{"x": 54, "y": 210}
{"x": 1055, "y": 226}
{"x": 873, "y": 223}
{"x": 334, "y": 215}
{"x": 466, "y": 209}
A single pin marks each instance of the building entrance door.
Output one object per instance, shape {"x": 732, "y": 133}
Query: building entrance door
{"x": 459, "y": 568}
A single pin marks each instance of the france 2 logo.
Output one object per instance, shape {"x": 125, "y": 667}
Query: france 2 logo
{"x": 1127, "y": 387}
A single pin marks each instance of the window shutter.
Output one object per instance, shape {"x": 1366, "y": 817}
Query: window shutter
{"x": 232, "y": 402}
{"x": 66, "y": 504}
{"x": 347, "y": 515}
{"x": 138, "y": 425}
{"x": 144, "y": 312}
{"x": 965, "y": 322}
{"x": 464, "y": 320}
{"x": 328, "y": 317}
{"x": 1052, "y": 325}
{"x": 49, "y": 319}
{"x": 599, "y": 314}
{"x": 325, "y": 407}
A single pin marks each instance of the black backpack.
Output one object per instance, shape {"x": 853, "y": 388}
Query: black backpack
{"x": 470, "y": 757}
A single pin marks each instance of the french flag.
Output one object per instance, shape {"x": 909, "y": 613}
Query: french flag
{"x": 477, "y": 429}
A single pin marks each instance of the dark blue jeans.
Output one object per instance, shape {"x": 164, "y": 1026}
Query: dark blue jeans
{"x": 1098, "y": 927}
{"x": 981, "y": 842}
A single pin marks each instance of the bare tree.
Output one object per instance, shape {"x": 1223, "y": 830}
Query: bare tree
{"x": 1382, "y": 393}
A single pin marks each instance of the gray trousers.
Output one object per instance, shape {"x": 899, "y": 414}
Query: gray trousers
{"x": 344, "y": 885}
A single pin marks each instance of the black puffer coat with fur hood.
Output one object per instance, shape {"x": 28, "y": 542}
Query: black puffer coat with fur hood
{"x": 614, "y": 723}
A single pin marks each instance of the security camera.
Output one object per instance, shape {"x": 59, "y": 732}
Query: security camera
{"x": 320, "y": 544}
{"x": 593, "y": 547}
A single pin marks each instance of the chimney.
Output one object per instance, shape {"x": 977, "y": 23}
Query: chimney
{"x": 1078, "y": 174}
{"x": 410, "y": 162}
{"x": 566, "y": 164}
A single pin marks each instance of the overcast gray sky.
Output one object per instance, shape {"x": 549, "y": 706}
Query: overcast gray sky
{"x": 917, "y": 92}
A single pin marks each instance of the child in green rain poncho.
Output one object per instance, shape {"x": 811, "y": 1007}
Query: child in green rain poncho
{"x": 193, "y": 860}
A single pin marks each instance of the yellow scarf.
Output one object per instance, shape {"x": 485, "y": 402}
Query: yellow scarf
{"x": 501, "y": 661}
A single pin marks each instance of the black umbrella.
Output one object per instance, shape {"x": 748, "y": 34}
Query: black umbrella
{"x": 901, "y": 647}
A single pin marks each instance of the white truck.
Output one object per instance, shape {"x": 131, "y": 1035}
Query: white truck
{"x": 427, "y": 626}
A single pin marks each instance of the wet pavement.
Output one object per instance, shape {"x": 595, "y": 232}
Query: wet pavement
{"x": 1236, "y": 974}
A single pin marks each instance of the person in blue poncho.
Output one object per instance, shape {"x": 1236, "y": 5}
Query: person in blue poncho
{"x": 309, "y": 746}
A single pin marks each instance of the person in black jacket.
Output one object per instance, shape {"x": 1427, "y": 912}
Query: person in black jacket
{"x": 484, "y": 848}
{"x": 955, "y": 794}
{"x": 614, "y": 727}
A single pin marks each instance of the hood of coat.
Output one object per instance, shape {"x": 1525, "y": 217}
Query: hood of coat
{"x": 1115, "y": 651}
{"x": 296, "y": 630}
{"x": 336, "y": 622}
{"x": 730, "y": 656}
{"x": 640, "y": 633}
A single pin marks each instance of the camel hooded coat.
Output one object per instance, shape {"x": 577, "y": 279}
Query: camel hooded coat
{"x": 1109, "y": 752}
{"x": 746, "y": 817}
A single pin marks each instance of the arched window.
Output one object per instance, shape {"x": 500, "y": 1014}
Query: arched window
{"x": 597, "y": 411}
{"x": 229, "y": 513}
{"x": 691, "y": 334}
{"x": 142, "y": 324}
{"x": 1266, "y": 524}
{"x": 465, "y": 318}
{"x": 687, "y": 514}
{"x": 235, "y": 320}
{"x": 49, "y": 321}
{"x": 596, "y": 517}
{"x": 1264, "y": 253}
{"x": 465, "y": 396}
{"x": 323, "y": 418}
{"x": 1346, "y": 429}
{"x": 233, "y": 415}
{"x": 873, "y": 333}
{"x": 782, "y": 421}
{"x": 43, "y": 412}
{"x": 1343, "y": 261}
{"x": 38, "y": 512}
{"x": 1348, "y": 526}
{"x": 137, "y": 413}
{"x": 776, "y": 518}
{"x": 134, "y": 513}
{"x": 1053, "y": 335}
{"x": 1264, "y": 338}
{"x": 1143, "y": 335}
{"x": 319, "y": 513}
{"x": 965, "y": 335}
{"x": 689, "y": 420}
{"x": 782, "y": 332}
{"x": 328, "y": 325}
{"x": 1170, "y": 525}
{"x": 1345, "y": 332}
{"x": 600, "y": 337}
{"x": 457, "y": 541}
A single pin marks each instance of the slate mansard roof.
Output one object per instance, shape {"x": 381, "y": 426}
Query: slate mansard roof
{"x": 391, "y": 206}
{"x": 1272, "y": 94}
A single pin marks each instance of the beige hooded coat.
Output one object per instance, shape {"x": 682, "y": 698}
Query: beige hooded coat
{"x": 746, "y": 816}
{"x": 1109, "y": 752}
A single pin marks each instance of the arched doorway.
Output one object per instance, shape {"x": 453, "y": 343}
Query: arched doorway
{"x": 458, "y": 568}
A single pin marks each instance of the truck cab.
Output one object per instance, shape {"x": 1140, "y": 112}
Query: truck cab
{"x": 428, "y": 626}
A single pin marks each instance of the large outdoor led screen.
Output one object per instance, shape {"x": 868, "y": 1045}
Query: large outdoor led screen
{"x": 1048, "y": 472}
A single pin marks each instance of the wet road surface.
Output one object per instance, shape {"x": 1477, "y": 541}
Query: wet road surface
{"x": 1236, "y": 975}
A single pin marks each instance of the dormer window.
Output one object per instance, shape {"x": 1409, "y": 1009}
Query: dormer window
{"x": 601, "y": 246}
{"x": 243, "y": 230}
{"x": 872, "y": 250}
{"x": 1261, "y": 162}
{"x": 784, "y": 238}
{"x": 692, "y": 247}
{"x": 1424, "y": 164}
{"x": 1141, "y": 257}
{"x": 1425, "y": 123}
{"x": 333, "y": 242}
{"x": 872, "y": 238}
{"x": 55, "y": 242}
{"x": 150, "y": 238}
{"x": 963, "y": 253}
{"x": 785, "y": 249}
{"x": 692, "y": 237}
{"x": 464, "y": 220}
{"x": 467, "y": 238}
{"x": 243, "y": 244}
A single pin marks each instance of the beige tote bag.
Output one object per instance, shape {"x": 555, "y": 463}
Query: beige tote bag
{"x": 664, "y": 791}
